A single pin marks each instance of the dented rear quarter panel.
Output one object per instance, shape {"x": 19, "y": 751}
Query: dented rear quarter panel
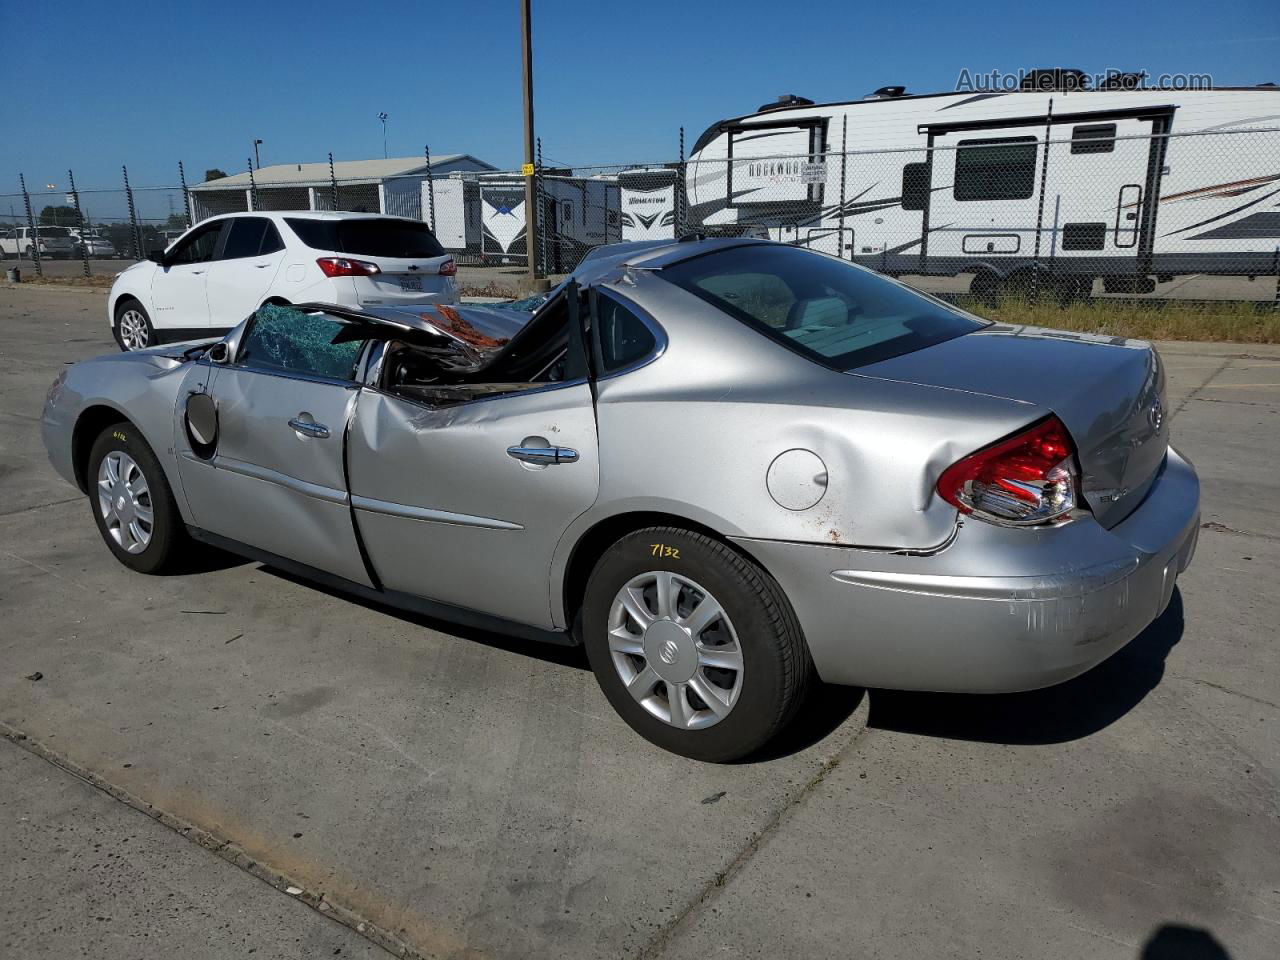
{"x": 697, "y": 429}
{"x": 694, "y": 432}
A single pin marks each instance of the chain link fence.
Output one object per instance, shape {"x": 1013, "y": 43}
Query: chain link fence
{"x": 1043, "y": 212}
{"x": 1052, "y": 210}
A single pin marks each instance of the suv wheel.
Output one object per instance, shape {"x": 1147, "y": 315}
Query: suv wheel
{"x": 132, "y": 329}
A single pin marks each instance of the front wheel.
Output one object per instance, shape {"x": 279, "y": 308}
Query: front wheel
{"x": 132, "y": 502}
{"x": 693, "y": 644}
{"x": 132, "y": 329}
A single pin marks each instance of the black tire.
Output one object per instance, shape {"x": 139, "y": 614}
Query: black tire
{"x": 169, "y": 544}
{"x": 983, "y": 287}
{"x": 777, "y": 671}
{"x": 127, "y": 305}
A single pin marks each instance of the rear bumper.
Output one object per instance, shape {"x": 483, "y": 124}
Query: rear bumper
{"x": 998, "y": 610}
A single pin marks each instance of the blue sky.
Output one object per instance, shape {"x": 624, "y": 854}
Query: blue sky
{"x": 92, "y": 85}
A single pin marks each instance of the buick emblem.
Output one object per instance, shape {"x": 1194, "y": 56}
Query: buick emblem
{"x": 1155, "y": 415}
{"x": 669, "y": 652}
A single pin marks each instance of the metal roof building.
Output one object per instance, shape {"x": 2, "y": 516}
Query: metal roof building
{"x": 391, "y": 185}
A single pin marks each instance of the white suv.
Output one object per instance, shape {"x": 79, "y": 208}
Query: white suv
{"x": 224, "y": 268}
{"x": 53, "y": 242}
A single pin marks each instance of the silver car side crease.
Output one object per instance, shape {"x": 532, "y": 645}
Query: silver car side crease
{"x": 435, "y": 516}
{"x": 314, "y": 490}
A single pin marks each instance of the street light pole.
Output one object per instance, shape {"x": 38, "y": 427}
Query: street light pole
{"x": 257, "y": 161}
{"x": 383, "y": 118}
{"x": 531, "y": 212}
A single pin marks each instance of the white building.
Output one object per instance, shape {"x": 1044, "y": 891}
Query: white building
{"x": 392, "y": 186}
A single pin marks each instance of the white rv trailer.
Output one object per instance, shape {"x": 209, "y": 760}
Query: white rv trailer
{"x": 648, "y": 199}
{"x": 483, "y": 216}
{"x": 956, "y": 183}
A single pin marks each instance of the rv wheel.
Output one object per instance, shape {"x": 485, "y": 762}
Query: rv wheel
{"x": 983, "y": 286}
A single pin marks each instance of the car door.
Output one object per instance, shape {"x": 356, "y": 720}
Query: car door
{"x": 178, "y": 299}
{"x": 464, "y": 503}
{"x": 271, "y": 475}
{"x": 241, "y": 276}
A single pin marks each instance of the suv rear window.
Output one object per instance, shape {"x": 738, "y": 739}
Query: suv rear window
{"x": 368, "y": 238}
{"x": 830, "y": 311}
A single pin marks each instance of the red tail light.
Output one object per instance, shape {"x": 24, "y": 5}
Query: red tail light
{"x": 448, "y": 268}
{"x": 1029, "y": 478}
{"x": 344, "y": 267}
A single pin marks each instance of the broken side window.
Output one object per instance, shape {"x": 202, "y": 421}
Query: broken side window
{"x": 542, "y": 353}
{"x": 290, "y": 340}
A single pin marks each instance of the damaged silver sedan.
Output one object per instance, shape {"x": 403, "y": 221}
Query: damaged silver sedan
{"x": 729, "y": 468}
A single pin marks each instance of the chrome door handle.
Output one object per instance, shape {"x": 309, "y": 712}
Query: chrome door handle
{"x": 309, "y": 428}
{"x": 545, "y": 456}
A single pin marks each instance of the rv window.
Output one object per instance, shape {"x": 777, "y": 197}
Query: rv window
{"x": 1003, "y": 169}
{"x": 1097, "y": 138}
{"x": 915, "y": 186}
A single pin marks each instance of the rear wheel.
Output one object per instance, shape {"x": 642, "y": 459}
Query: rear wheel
{"x": 132, "y": 329}
{"x": 132, "y": 503}
{"x": 694, "y": 645}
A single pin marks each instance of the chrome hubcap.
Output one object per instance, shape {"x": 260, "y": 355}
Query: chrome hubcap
{"x": 133, "y": 330}
{"x": 125, "y": 501}
{"x": 675, "y": 649}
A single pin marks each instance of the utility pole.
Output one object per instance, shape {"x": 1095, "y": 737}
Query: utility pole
{"x": 531, "y": 212}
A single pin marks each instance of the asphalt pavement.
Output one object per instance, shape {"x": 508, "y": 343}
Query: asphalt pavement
{"x": 460, "y": 794}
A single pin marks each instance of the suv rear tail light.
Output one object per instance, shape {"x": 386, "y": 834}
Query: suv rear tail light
{"x": 1027, "y": 479}
{"x": 344, "y": 267}
{"x": 448, "y": 268}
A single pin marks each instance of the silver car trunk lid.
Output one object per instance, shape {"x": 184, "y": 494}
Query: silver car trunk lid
{"x": 1108, "y": 391}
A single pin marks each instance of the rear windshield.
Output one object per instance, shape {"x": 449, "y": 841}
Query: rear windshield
{"x": 368, "y": 238}
{"x": 53, "y": 231}
{"x": 823, "y": 308}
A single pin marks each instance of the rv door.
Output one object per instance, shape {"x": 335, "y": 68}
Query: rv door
{"x": 985, "y": 212}
{"x": 1099, "y": 181}
{"x": 759, "y": 173}
{"x": 985, "y": 199}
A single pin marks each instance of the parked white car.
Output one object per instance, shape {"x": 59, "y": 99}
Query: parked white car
{"x": 224, "y": 268}
{"x": 98, "y": 245}
{"x": 52, "y": 242}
